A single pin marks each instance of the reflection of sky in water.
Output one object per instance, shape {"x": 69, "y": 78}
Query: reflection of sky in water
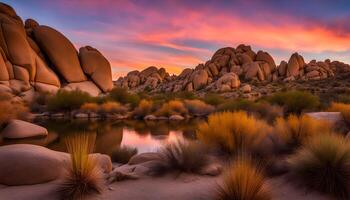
{"x": 148, "y": 142}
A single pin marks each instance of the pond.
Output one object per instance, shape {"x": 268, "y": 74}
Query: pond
{"x": 145, "y": 136}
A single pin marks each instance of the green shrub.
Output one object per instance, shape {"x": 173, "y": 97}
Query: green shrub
{"x": 122, "y": 96}
{"x": 295, "y": 101}
{"x": 235, "y": 105}
{"x": 68, "y": 100}
{"x": 323, "y": 164}
{"x": 213, "y": 99}
{"x": 123, "y": 154}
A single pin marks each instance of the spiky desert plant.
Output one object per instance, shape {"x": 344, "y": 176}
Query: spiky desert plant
{"x": 323, "y": 164}
{"x": 243, "y": 181}
{"x": 233, "y": 132}
{"x": 295, "y": 130}
{"x": 84, "y": 177}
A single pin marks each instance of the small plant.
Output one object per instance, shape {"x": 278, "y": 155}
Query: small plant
{"x": 343, "y": 108}
{"x": 323, "y": 164}
{"x": 89, "y": 107}
{"x": 121, "y": 95}
{"x": 266, "y": 111}
{"x": 181, "y": 156}
{"x": 198, "y": 108}
{"x": 235, "y": 105}
{"x": 83, "y": 178}
{"x": 244, "y": 181}
{"x": 233, "y": 132}
{"x": 123, "y": 154}
{"x": 213, "y": 99}
{"x": 295, "y": 130}
{"x": 112, "y": 108}
{"x": 68, "y": 100}
{"x": 295, "y": 101}
{"x": 173, "y": 107}
{"x": 144, "y": 108}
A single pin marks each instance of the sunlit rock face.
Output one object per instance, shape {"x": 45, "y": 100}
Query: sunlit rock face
{"x": 228, "y": 68}
{"x": 38, "y": 58}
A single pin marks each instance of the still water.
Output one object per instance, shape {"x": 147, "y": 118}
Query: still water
{"x": 146, "y": 136}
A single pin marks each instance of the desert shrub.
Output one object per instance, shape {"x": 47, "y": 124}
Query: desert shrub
{"x": 123, "y": 154}
{"x": 244, "y": 181}
{"x": 173, "y": 107}
{"x": 323, "y": 164}
{"x": 83, "y": 177}
{"x": 89, "y": 107}
{"x": 144, "y": 108}
{"x": 122, "y": 96}
{"x": 343, "y": 98}
{"x": 198, "y": 108}
{"x": 266, "y": 111}
{"x": 181, "y": 156}
{"x": 295, "y": 101}
{"x": 112, "y": 108}
{"x": 68, "y": 100}
{"x": 295, "y": 130}
{"x": 213, "y": 99}
{"x": 233, "y": 132}
{"x": 235, "y": 105}
{"x": 343, "y": 108}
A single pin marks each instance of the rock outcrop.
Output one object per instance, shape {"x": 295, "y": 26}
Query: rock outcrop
{"x": 38, "y": 58}
{"x": 18, "y": 129}
{"x": 228, "y": 68}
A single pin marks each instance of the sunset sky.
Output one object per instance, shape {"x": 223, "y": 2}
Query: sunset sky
{"x": 180, "y": 34}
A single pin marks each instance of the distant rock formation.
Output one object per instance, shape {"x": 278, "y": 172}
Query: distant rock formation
{"x": 229, "y": 67}
{"x": 37, "y": 58}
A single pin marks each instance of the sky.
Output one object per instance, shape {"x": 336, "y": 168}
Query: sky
{"x": 175, "y": 35}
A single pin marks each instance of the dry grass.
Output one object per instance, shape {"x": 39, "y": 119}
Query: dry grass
{"x": 343, "y": 108}
{"x": 243, "y": 181}
{"x": 198, "y": 108}
{"x": 123, "y": 154}
{"x": 89, "y": 107}
{"x": 233, "y": 132}
{"x": 112, "y": 108}
{"x": 323, "y": 164}
{"x": 144, "y": 108}
{"x": 84, "y": 178}
{"x": 295, "y": 130}
{"x": 173, "y": 107}
{"x": 181, "y": 156}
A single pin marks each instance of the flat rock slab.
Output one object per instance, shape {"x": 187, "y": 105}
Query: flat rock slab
{"x": 17, "y": 129}
{"x": 332, "y": 117}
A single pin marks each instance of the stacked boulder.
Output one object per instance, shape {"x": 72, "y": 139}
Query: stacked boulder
{"x": 36, "y": 58}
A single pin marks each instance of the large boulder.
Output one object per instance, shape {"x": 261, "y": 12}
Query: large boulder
{"x": 295, "y": 63}
{"x": 199, "y": 79}
{"x": 97, "y": 66}
{"x": 85, "y": 86}
{"x": 266, "y": 57}
{"x": 17, "y": 129}
{"x": 61, "y": 53}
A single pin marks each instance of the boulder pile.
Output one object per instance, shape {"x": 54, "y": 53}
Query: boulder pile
{"x": 37, "y": 58}
{"x": 229, "y": 67}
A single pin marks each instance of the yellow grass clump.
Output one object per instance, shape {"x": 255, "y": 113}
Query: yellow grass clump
{"x": 323, "y": 164}
{"x": 173, "y": 107}
{"x": 89, "y": 107}
{"x": 233, "y": 132}
{"x": 112, "y": 107}
{"x": 83, "y": 178}
{"x": 295, "y": 130}
{"x": 343, "y": 108}
{"x": 144, "y": 108}
{"x": 244, "y": 181}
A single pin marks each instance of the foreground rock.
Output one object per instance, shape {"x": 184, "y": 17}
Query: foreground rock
{"x": 17, "y": 129}
{"x": 24, "y": 164}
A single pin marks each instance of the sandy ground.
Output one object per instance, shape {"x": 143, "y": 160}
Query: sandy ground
{"x": 184, "y": 187}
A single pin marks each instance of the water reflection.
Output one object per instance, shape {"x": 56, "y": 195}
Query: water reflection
{"x": 145, "y": 136}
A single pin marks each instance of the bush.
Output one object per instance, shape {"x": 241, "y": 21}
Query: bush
{"x": 89, "y": 107}
{"x": 213, "y": 99}
{"x": 295, "y": 101}
{"x": 344, "y": 109}
{"x": 323, "y": 164}
{"x": 112, "y": 108}
{"x": 83, "y": 178}
{"x": 266, "y": 111}
{"x": 295, "y": 130}
{"x": 68, "y": 100}
{"x": 235, "y": 105}
{"x": 144, "y": 108}
{"x": 182, "y": 156}
{"x": 173, "y": 107}
{"x": 123, "y": 154}
{"x": 198, "y": 107}
{"x": 233, "y": 132}
{"x": 244, "y": 181}
{"x": 122, "y": 96}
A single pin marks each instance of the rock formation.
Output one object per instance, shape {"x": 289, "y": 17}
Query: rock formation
{"x": 229, "y": 67}
{"x": 37, "y": 58}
